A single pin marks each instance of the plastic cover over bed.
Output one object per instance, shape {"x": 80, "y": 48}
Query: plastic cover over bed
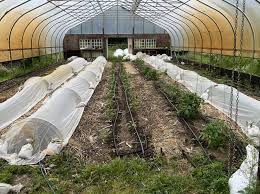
{"x": 35, "y": 89}
{"x": 48, "y": 129}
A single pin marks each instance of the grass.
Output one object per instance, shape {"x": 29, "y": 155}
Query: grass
{"x": 122, "y": 175}
{"x": 30, "y": 66}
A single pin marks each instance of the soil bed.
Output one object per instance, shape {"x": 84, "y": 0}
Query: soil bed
{"x": 208, "y": 113}
{"x": 168, "y": 137}
{"x": 89, "y": 141}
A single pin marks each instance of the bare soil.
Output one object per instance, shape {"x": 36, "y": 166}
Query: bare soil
{"x": 89, "y": 141}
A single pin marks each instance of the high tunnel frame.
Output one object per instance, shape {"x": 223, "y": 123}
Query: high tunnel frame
{"x": 32, "y": 28}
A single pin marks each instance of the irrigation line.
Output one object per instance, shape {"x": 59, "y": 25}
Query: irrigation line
{"x": 46, "y": 177}
{"x": 187, "y": 125}
{"x": 114, "y": 125}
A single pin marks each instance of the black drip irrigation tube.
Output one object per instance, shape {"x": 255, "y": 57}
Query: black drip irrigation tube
{"x": 143, "y": 143}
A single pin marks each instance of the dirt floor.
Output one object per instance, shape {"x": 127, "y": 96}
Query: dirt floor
{"x": 89, "y": 141}
{"x": 166, "y": 135}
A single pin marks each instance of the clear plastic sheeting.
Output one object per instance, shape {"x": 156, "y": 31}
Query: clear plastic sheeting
{"x": 31, "y": 28}
{"x": 220, "y": 96}
{"x": 35, "y": 89}
{"x": 130, "y": 57}
{"x": 49, "y": 129}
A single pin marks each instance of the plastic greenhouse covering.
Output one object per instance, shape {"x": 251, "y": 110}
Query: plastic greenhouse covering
{"x": 35, "y": 28}
{"x": 32, "y": 28}
{"x": 47, "y": 130}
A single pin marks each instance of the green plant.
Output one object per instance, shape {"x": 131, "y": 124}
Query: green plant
{"x": 212, "y": 177}
{"x": 189, "y": 106}
{"x": 133, "y": 102}
{"x": 31, "y": 65}
{"x": 243, "y": 64}
{"x": 216, "y": 134}
{"x": 146, "y": 71}
{"x": 252, "y": 189}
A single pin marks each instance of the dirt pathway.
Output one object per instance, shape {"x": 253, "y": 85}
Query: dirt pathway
{"x": 89, "y": 141}
{"x": 126, "y": 138}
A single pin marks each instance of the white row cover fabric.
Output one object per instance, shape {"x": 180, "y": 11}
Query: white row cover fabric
{"x": 246, "y": 175}
{"x": 49, "y": 129}
{"x": 130, "y": 57}
{"x": 219, "y": 95}
{"x": 6, "y": 188}
{"x": 120, "y": 53}
{"x": 35, "y": 89}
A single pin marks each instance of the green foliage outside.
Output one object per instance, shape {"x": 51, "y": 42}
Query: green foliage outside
{"x": 35, "y": 64}
{"x": 121, "y": 175}
{"x": 216, "y": 134}
{"x": 245, "y": 65}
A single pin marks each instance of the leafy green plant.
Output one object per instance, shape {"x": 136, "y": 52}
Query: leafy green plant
{"x": 189, "y": 106}
{"x": 212, "y": 177}
{"x": 146, "y": 71}
{"x": 187, "y": 103}
{"x": 216, "y": 134}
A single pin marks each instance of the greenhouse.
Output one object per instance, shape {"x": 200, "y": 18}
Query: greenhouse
{"x": 130, "y": 96}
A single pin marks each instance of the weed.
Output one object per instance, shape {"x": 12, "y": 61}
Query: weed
{"x": 216, "y": 134}
{"x": 121, "y": 175}
{"x": 212, "y": 177}
{"x": 252, "y": 189}
{"x": 33, "y": 65}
